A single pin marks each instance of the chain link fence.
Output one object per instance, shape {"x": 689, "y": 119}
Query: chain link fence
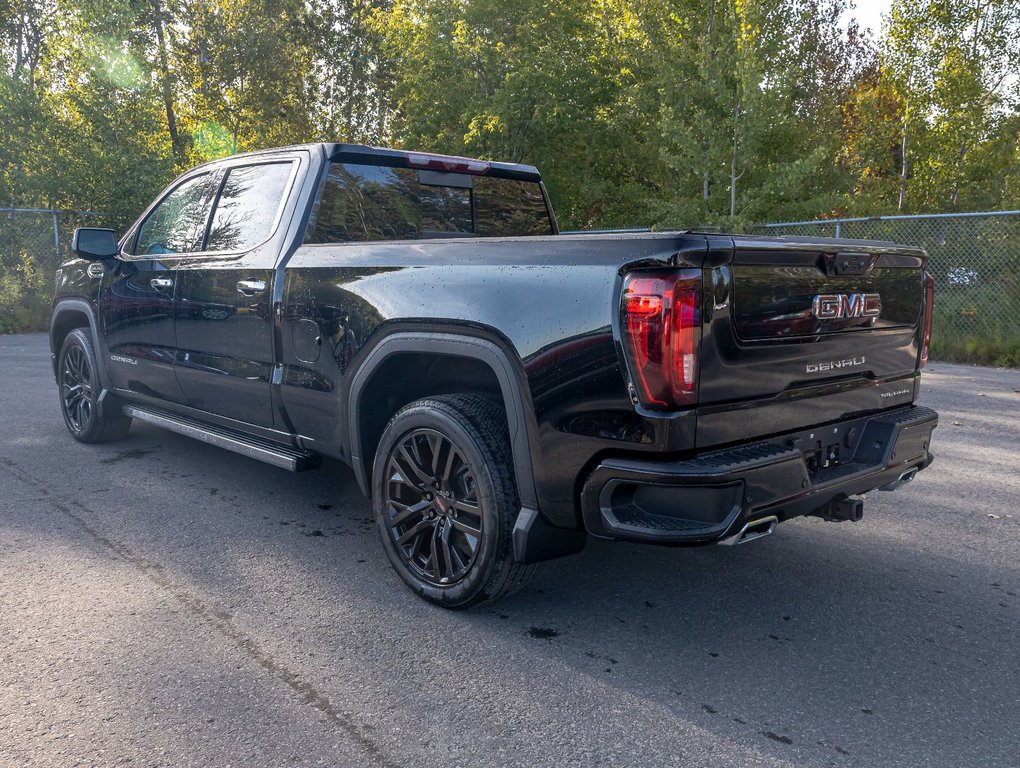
{"x": 975, "y": 260}
{"x": 33, "y": 241}
{"x": 974, "y": 257}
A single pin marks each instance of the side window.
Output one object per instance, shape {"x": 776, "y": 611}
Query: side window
{"x": 176, "y": 224}
{"x": 360, "y": 203}
{"x": 247, "y": 206}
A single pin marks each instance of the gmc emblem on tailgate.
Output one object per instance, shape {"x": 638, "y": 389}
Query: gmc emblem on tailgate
{"x": 834, "y": 306}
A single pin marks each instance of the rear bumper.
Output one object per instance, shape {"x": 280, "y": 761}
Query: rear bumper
{"x": 712, "y": 496}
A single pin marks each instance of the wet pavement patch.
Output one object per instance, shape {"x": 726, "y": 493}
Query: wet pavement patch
{"x": 543, "y": 633}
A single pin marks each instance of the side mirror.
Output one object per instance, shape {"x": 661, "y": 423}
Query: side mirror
{"x": 94, "y": 243}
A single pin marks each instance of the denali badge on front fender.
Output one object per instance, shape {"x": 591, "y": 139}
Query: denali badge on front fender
{"x": 832, "y": 365}
{"x": 834, "y": 306}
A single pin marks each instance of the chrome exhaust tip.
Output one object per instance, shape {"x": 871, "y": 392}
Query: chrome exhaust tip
{"x": 752, "y": 530}
{"x": 902, "y": 480}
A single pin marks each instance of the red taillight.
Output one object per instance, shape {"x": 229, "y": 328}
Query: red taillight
{"x": 661, "y": 326}
{"x": 929, "y": 305}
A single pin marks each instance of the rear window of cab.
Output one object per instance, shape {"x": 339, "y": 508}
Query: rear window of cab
{"x": 361, "y": 203}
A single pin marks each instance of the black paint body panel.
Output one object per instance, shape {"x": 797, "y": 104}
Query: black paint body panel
{"x": 224, "y": 339}
{"x": 544, "y": 299}
{"x": 136, "y": 325}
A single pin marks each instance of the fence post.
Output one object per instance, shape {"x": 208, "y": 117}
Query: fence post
{"x": 56, "y": 239}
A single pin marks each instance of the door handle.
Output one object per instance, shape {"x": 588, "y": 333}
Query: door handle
{"x": 161, "y": 282}
{"x": 250, "y": 287}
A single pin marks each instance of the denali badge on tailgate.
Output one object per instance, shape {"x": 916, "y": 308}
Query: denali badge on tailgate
{"x": 833, "y": 306}
{"x": 834, "y": 365}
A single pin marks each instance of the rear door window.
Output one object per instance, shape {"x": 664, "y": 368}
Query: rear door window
{"x": 247, "y": 206}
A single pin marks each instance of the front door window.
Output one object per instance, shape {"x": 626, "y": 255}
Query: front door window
{"x": 177, "y": 224}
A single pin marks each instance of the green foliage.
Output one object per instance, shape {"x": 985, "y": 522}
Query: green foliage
{"x": 952, "y": 64}
{"x": 638, "y": 112}
{"x": 977, "y": 350}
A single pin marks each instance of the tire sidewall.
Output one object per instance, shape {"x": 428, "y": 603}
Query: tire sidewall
{"x": 492, "y": 546}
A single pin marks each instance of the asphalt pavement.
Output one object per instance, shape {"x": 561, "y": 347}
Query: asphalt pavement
{"x": 167, "y": 603}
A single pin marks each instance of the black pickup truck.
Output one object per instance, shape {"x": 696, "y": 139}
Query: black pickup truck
{"x": 500, "y": 390}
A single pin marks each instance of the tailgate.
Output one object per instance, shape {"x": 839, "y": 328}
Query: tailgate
{"x": 801, "y": 332}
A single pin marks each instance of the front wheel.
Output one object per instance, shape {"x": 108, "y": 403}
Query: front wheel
{"x": 445, "y": 500}
{"x": 78, "y": 380}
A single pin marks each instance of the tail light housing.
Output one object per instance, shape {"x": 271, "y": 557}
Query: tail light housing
{"x": 929, "y": 306}
{"x": 661, "y": 329}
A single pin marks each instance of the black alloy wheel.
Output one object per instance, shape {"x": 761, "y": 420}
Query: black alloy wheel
{"x": 76, "y": 389}
{"x": 79, "y": 389}
{"x": 435, "y": 518}
{"x": 445, "y": 500}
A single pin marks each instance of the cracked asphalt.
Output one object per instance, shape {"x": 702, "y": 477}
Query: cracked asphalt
{"x": 167, "y": 603}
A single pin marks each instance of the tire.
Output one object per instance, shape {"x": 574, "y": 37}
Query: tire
{"x": 445, "y": 500}
{"x": 79, "y": 388}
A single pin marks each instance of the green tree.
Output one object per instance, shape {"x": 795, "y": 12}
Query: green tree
{"x": 349, "y": 75}
{"x": 750, "y": 96}
{"x": 953, "y": 65}
{"x": 528, "y": 81}
{"x": 244, "y": 63}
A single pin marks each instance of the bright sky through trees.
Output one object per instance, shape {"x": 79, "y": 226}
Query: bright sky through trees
{"x": 868, "y": 14}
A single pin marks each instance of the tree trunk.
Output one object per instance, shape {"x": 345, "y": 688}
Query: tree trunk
{"x": 708, "y": 51}
{"x": 704, "y": 177}
{"x": 903, "y": 164}
{"x": 959, "y": 175}
{"x": 733, "y": 163}
{"x": 176, "y": 142}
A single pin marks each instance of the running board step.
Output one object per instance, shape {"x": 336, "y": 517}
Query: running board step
{"x": 277, "y": 454}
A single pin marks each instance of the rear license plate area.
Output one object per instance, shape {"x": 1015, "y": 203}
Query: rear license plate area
{"x": 825, "y": 447}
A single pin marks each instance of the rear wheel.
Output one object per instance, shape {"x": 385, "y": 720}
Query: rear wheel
{"x": 445, "y": 500}
{"x": 78, "y": 380}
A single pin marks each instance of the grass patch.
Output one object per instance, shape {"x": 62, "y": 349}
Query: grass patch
{"x": 974, "y": 350}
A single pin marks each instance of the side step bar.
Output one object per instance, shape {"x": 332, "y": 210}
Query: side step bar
{"x": 277, "y": 454}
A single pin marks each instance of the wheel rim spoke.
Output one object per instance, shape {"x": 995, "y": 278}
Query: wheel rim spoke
{"x": 435, "y": 441}
{"x": 470, "y": 507}
{"x": 458, "y": 557}
{"x": 434, "y": 517}
{"x": 434, "y": 556}
{"x": 76, "y": 388}
{"x": 416, "y": 548}
{"x": 409, "y": 462}
{"x": 414, "y": 531}
{"x": 406, "y": 512}
{"x": 451, "y": 454}
{"x": 445, "y": 559}
{"x": 463, "y": 527}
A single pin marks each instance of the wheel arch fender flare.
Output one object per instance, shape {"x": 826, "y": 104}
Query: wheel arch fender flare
{"x": 78, "y": 306}
{"x": 486, "y": 351}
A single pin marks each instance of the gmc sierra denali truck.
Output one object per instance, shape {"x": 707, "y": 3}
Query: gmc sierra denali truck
{"x": 501, "y": 390}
